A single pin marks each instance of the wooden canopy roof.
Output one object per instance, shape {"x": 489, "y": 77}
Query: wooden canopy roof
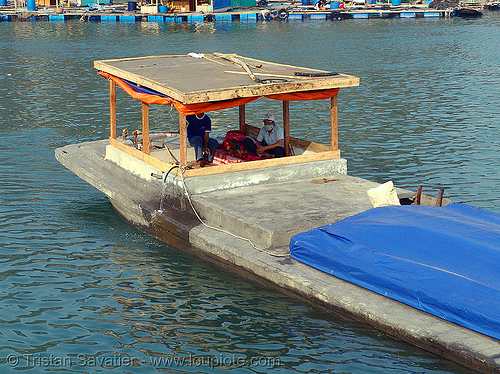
{"x": 195, "y": 84}
{"x": 212, "y": 78}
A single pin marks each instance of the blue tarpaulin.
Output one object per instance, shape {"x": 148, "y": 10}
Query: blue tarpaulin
{"x": 443, "y": 261}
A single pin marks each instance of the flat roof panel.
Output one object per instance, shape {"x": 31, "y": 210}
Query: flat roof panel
{"x": 212, "y": 78}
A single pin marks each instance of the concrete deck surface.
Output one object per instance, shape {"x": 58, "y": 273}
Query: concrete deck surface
{"x": 272, "y": 213}
{"x": 288, "y": 203}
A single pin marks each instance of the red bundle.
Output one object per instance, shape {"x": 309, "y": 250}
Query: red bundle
{"x": 233, "y": 144}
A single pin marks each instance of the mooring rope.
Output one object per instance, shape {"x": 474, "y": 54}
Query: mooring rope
{"x": 264, "y": 250}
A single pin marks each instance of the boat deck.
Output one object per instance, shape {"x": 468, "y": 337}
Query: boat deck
{"x": 296, "y": 206}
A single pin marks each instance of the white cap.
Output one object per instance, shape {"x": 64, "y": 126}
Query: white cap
{"x": 269, "y": 117}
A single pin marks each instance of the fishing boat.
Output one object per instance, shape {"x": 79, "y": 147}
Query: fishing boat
{"x": 262, "y": 217}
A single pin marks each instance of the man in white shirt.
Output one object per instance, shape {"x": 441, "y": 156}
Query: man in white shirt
{"x": 270, "y": 139}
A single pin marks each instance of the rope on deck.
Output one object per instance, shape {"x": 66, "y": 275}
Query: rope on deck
{"x": 264, "y": 250}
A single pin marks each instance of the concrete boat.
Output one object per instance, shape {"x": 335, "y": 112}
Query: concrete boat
{"x": 217, "y": 213}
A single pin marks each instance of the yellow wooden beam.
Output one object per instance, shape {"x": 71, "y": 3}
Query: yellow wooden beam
{"x": 263, "y": 163}
{"x": 183, "y": 139}
{"x": 334, "y": 123}
{"x": 145, "y": 128}
{"x": 112, "y": 109}
{"x": 148, "y": 159}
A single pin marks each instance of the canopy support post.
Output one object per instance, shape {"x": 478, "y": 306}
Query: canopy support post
{"x": 286, "y": 126}
{"x": 145, "y": 128}
{"x": 242, "y": 118}
{"x": 112, "y": 109}
{"x": 183, "y": 139}
{"x": 334, "y": 124}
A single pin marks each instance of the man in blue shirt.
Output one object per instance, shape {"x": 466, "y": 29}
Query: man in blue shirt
{"x": 270, "y": 139}
{"x": 198, "y": 131}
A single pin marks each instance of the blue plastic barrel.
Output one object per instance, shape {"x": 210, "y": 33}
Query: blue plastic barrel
{"x": 396, "y": 2}
{"x": 306, "y": 2}
{"x": 334, "y": 4}
{"x": 31, "y": 5}
{"x": 132, "y": 6}
{"x": 3, "y": 2}
{"x": 162, "y": 9}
